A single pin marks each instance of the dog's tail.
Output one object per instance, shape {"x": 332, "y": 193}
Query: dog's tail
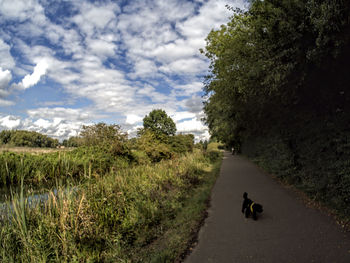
{"x": 245, "y": 195}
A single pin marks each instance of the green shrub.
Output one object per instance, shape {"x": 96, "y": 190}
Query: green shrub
{"x": 155, "y": 149}
{"x": 181, "y": 143}
{"x": 213, "y": 152}
{"x": 140, "y": 157}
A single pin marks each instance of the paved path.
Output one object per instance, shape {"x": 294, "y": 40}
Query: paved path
{"x": 287, "y": 231}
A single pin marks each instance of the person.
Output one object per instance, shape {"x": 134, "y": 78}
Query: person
{"x": 233, "y": 150}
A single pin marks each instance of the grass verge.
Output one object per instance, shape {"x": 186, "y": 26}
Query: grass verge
{"x": 181, "y": 232}
{"x": 147, "y": 213}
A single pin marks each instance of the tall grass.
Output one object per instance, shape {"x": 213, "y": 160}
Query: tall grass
{"x": 107, "y": 219}
{"x": 39, "y": 169}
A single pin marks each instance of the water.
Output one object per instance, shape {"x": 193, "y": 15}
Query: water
{"x": 32, "y": 197}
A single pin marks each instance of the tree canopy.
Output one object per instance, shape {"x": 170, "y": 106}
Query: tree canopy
{"x": 26, "y": 138}
{"x": 160, "y": 123}
{"x": 101, "y": 133}
{"x": 278, "y": 57}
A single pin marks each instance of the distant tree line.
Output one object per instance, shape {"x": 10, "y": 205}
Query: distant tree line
{"x": 157, "y": 140}
{"x": 23, "y": 138}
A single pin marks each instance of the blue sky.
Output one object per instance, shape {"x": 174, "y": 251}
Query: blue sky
{"x": 64, "y": 64}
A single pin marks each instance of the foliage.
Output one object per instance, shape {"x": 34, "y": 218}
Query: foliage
{"x": 159, "y": 123}
{"x": 154, "y": 148}
{"x": 278, "y": 86}
{"x": 212, "y": 151}
{"x": 106, "y": 136}
{"x": 181, "y": 143}
{"x": 37, "y": 169}
{"x": 314, "y": 158}
{"x": 26, "y": 138}
{"x": 115, "y": 218}
{"x": 276, "y": 57}
{"x": 160, "y": 148}
{"x": 89, "y": 161}
{"x": 74, "y": 141}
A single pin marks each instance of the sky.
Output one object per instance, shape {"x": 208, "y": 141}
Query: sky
{"x": 64, "y": 64}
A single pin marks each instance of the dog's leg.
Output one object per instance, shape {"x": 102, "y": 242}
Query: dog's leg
{"x": 247, "y": 212}
{"x": 254, "y": 214}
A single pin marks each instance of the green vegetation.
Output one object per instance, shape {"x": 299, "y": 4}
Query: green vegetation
{"x": 159, "y": 123}
{"x": 115, "y": 199}
{"x": 103, "y": 148}
{"x": 278, "y": 91}
{"x": 146, "y": 213}
{"x": 26, "y": 138}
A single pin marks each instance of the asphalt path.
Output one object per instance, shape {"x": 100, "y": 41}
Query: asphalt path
{"x": 287, "y": 230}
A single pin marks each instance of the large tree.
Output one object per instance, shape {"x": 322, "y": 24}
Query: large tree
{"x": 160, "y": 123}
{"x": 275, "y": 57}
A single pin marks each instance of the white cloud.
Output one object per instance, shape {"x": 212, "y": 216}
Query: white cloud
{"x": 178, "y": 116}
{"x": 32, "y": 79}
{"x": 101, "y": 47}
{"x": 9, "y": 122}
{"x": 192, "y": 125}
{"x": 172, "y": 51}
{"x": 94, "y": 18}
{"x": 19, "y": 9}
{"x": 188, "y": 89}
{"x": 150, "y": 92}
{"x": 211, "y": 15}
{"x": 5, "y": 103}
{"x": 132, "y": 119}
{"x": 56, "y": 128}
{"x": 144, "y": 68}
{"x": 126, "y": 62}
{"x": 6, "y": 60}
{"x": 5, "y": 77}
{"x": 60, "y": 113}
{"x": 42, "y": 123}
{"x": 190, "y": 66}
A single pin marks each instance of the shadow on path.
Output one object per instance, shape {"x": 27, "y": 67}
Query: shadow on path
{"x": 287, "y": 231}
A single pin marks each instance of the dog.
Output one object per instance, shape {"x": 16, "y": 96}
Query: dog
{"x": 250, "y": 207}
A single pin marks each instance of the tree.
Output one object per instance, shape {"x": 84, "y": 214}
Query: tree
{"x": 74, "y": 141}
{"x": 273, "y": 59}
{"x": 109, "y": 137}
{"x": 102, "y": 133}
{"x": 159, "y": 123}
{"x": 155, "y": 148}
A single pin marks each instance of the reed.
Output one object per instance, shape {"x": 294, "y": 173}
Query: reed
{"x": 110, "y": 218}
{"x": 38, "y": 169}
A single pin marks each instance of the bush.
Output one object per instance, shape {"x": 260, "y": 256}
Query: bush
{"x": 213, "y": 152}
{"x": 181, "y": 143}
{"x": 155, "y": 149}
{"x": 140, "y": 157}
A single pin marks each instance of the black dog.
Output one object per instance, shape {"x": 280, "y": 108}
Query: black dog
{"x": 250, "y": 207}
